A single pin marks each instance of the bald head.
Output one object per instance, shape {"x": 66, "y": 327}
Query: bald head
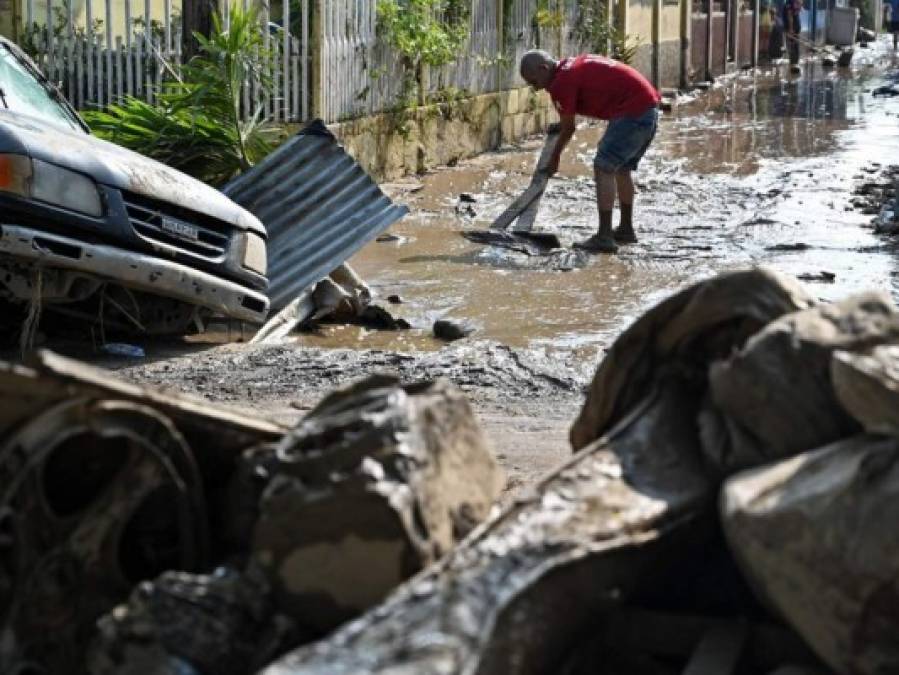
{"x": 537, "y": 68}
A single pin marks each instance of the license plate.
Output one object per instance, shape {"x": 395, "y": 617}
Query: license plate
{"x": 180, "y": 229}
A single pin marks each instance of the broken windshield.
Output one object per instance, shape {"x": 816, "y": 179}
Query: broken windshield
{"x": 22, "y": 91}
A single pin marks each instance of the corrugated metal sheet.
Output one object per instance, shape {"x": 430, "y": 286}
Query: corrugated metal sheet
{"x": 318, "y": 206}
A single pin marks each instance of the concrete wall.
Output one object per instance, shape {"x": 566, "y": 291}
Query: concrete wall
{"x": 388, "y": 147}
{"x": 639, "y": 23}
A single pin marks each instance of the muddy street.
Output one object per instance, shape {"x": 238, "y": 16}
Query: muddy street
{"x": 759, "y": 169}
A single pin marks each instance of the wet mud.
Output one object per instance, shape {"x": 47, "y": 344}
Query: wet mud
{"x": 760, "y": 169}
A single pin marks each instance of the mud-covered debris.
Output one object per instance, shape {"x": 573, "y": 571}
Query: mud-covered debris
{"x": 375, "y": 483}
{"x": 452, "y": 329}
{"x": 375, "y": 316}
{"x": 886, "y": 90}
{"x": 867, "y": 386}
{"x": 530, "y": 243}
{"x": 805, "y": 534}
{"x": 466, "y": 210}
{"x": 390, "y": 238}
{"x": 774, "y": 398}
{"x": 219, "y": 623}
{"x": 517, "y": 596}
{"x": 823, "y": 277}
{"x": 798, "y": 246}
{"x": 688, "y": 331}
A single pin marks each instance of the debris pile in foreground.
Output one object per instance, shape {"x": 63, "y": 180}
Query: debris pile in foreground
{"x": 729, "y": 508}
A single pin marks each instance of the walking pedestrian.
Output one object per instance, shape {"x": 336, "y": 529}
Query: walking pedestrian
{"x": 792, "y": 29}
{"x": 892, "y": 6}
{"x": 601, "y": 88}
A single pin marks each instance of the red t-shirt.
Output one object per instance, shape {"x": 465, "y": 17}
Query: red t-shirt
{"x": 595, "y": 86}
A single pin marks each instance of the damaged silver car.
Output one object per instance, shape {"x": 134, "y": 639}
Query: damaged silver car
{"x": 91, "y": 229}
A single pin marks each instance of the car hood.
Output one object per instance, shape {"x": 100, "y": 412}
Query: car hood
{"x": 117, "y": 167}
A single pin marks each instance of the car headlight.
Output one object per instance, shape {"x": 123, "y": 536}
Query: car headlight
{"x": 254, "y": 255}
{"x": 34, "y": 179}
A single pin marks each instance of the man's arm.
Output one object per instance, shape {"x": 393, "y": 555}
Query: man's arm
{"x": 566, "y": 131}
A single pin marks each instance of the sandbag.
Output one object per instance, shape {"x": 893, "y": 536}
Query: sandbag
{"x": 776, "y": 393}
{"x": 816, "y": 536}
{"x": 683, "y": 334}
{"x": 377, "y": 482}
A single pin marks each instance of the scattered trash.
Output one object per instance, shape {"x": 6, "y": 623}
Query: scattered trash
{"x": 888, "y": 90}
{"x": 798, "y": 246}
{"x": 466, "y": 210}
{"x": 450, "y": 330}
{"x": 845, "y": 58}
{"x": 122, "y": 349}
{"x": 823, "y": 277}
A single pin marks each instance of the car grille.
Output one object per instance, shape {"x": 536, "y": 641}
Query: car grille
{"x": 153, "y": 220}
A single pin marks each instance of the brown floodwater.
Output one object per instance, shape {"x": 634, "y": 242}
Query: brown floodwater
{"x": 758, "y": 162}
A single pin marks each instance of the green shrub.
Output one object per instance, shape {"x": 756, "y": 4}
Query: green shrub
{"x": 197, "y": 123}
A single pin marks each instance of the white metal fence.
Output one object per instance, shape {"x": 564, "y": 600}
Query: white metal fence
{"x": 106, "y": 53}
{"x": 114, "y": 48}
{"x": 361, "y": 75}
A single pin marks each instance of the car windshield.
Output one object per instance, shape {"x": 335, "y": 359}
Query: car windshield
{"x": 22, "y": 91}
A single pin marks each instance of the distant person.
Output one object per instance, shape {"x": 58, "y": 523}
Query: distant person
{"x": 601, "y": 88}
{"x": 776, "y": 37}
{"x": 892, "y": 7}
{"x": 792, "y": 29}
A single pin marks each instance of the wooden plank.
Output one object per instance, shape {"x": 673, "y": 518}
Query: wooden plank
{"x": 530, "y": 198}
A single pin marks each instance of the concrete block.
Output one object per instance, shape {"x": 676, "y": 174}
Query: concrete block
{"x": 512, "y": 105}
{"x": 508, "y": 131}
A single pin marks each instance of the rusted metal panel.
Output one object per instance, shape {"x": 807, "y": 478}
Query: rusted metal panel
{"x": 318, "y": 206}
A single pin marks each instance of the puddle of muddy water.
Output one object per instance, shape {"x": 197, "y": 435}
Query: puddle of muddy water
{"x": 759, "y": 163}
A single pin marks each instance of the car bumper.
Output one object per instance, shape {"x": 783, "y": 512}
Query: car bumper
{"x": 135, "y": 270}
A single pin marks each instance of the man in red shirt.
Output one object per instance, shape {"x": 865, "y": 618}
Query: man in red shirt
{"x": 598, "y": 87}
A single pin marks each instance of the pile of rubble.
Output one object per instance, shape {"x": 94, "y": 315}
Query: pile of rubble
{"x": 729, "y": 508}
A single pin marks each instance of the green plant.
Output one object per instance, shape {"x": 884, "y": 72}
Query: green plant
{"x": 548, "y": 14}
{"x": 35, "y": 35}
{"x": 425, "y": 32}
{"x": 598, "y": 34}
{"x": 198, "y": 124}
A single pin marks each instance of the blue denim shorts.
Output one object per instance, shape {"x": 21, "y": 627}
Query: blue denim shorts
{"x": 625, "y": 141}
